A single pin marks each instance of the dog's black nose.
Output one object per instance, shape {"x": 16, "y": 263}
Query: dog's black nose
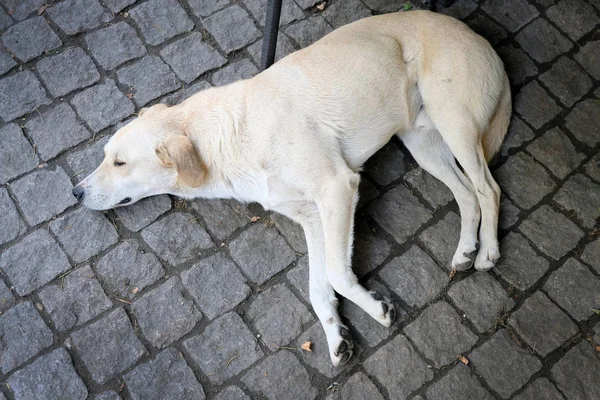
{"x": 78, "y": 192}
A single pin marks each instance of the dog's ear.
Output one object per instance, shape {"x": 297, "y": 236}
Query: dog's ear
{"x": 178, "y": 152}
{"x": 146, "y": 111}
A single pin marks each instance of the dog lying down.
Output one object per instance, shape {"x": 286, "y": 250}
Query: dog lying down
{"x": 294, "y": 137}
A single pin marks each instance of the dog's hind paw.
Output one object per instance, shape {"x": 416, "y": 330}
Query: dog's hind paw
{"x": 487, "y": 258}
{"x": 341, "y": 352}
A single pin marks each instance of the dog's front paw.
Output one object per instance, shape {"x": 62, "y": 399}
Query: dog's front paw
{"x": 464, "y": 257}
{"x": 487, "y": 258}
{"x": 341, "y": 349}
{"x": 388, "y": 311}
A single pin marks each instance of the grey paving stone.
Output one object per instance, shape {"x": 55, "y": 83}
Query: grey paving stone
{"x": 358, "y": 387}
{"x": 117, "y": 5}
{"x": 224, "y": 349}
{"x": 442, "y": 238}
{"x": 459, "y": 9}
{"x": 575, "y": 289}
{"x": 148, "y": 78}
{"x": 185, "y": 93}
{"x": 6, "y": 59}
{"x": 380, "y": 6}
{"x": 589, "y": 58}
{"x": 581, "y": 195}
{"x": 504, "y": 365}
{"x": 318, "y": 357}
{"x": 367, "y": 193}
{"x": 284, "y": 47}
{"x": 399, "y": 213}
{"x": 299, "y": 277}
{"x": 102, "y": 105}
{"x": 513, "y": 14}
{"x": 309, "y": 30}
{"x": 458, "y": 384}
{"x": 261, "y": 252}
{"x": 11, "y": 222}
{"x": 33, "y": 262}
{"x": 5, "y": 20}
{"x": 584, "y": 121}
{"x": 56, "y": 130}
{"x": 216, "y": 285}
{"x": 593, "y": 167}
{"x": 243, "y": 69}
{"x": 369, "y": 251}
{"x": 556, "y": 152}
{"x": 597, "y": 335}
{"x": 85, "y": 161}
{"x": 533, "y": 184}
{"x": 34, "y": 190}
{"x": 398, "y": 367}
{"x": 177, "y": 238}
{"x": 51, "y": 376}
{"x": 72, "y": 69}
{"x": 108, "y": 346}
{"x": 190, "y": 57}
{"x": 115, "y": 44}
{"x": 31, "y": 38}
{"x": 74, "y": 16}
{"x": 84, "y": 233}
{"x": 574, "y": 17}
{"x": 440, "y": 334}
{"x": 577, "y": 373}
{"x": 166, "y": 377}
{"x": 108, "y": 395}
{"x": 20, "y": 94}
{"x": 555, "y": 242}
{"x": 370, "y": 330}
{"x": 23, "y": 334}
{"x": 289, "y": 11}
{"x": 222, "y": 217}
{"x": 232, "y": 393}
{"x": 414, "y": 277}
{"x": 567, "y": 81}
{"x": 545, "y": 108}
{"x": 232, "y": 28}
{"x": 278, "y": 316}
{"x": 7, "y": 300}
{"x": 118, "y": 274}
{"x": 509, "y": 214}
{"x": 160, "y": 20}
{"x": 203, "y": 8}
{"x": 144, "y": 212}
{"x": 534, "y": 317}
{"x": 482, "y": 299}
{"x": 291, "y": 231}
{"x": 591, "y": 255}
{"x": 518, "y": 65}
{"x": 21, "y": 9}
{"x": 540, "y": 389}
{"x": 339, "y": 14}
{"x": 518, "y": 133}
{"x": 76, "y": 299}
{"x": 304, "y": 4}
{"x": 266, "y": 378}
{"x": 386, "y": 165}
{"x": 542, "y": 42}
{"x": 433, "y": 190}
{"x": 164, "y": 314}
{"x": 487, "y": 28}
{"x": 520, "y": 265}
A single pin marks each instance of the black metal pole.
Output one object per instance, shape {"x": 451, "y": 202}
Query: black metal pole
{"x": 270, "y": 33}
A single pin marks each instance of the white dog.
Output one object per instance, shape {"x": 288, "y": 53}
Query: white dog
{"x": 294, "y": 137}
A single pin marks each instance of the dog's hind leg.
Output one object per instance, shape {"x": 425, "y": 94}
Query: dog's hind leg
{"x": 336, "y": 201}
{"x": 431, "y": 152}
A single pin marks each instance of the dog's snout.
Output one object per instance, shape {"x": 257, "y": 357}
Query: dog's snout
{"x": 78, "y": 192}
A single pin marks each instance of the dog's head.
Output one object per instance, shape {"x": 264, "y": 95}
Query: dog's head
{"x": 150, "y": 155}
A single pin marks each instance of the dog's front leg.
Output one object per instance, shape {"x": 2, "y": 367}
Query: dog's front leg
{"x": 336, "y": 204}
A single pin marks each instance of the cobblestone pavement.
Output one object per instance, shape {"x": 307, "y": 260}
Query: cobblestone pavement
{"x": 169, "y": 299}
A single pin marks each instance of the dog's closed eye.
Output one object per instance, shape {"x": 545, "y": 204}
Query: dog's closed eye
{"x": 118, "y": 163}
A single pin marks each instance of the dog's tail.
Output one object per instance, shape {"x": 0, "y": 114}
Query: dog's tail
{"x": 492, "y": 139}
